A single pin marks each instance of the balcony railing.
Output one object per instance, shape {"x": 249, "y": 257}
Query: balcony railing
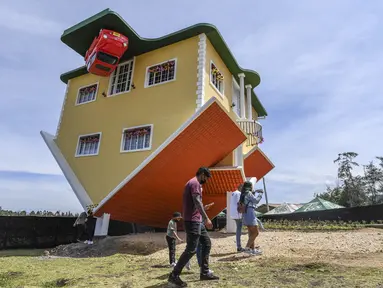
{"x": 253, "y": 130}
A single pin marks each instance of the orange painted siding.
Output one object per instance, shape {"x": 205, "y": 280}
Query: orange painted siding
{"x": 257, "y": 164}
{"x": 155, "y": 192}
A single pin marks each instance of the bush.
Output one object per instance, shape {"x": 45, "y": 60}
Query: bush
{"x": 311, "y": 225}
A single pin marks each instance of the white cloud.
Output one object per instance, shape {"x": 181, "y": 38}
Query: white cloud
{"x": 26, "y": 153}
{"x": 12, "y": 19}
{"x": 334, "y": 70}
{"x": 34, "y": 192}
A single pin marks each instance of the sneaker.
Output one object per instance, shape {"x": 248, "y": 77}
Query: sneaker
{"x": 188, "y": 266}
{"x": 247, "y": 251}
{"x": 86, "y": 242}
{"x": 240, "y": 249}
{"x": 207, "y": 277}
{"x": 90, "y": 242}
{"x": 175, "y": 281}
{"x": 173, "y": 264}
{"x": 256, "y": 252}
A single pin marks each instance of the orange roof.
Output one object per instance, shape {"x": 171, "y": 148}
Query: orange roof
{"x": 223, "y": 179}
{"x": 256, "y": 164}
{"x": 153, "y": 191}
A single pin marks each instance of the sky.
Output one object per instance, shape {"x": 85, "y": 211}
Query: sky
{"x": 320, "y": 62}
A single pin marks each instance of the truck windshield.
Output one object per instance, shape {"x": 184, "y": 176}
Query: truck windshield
{"x": 107, "y": 58}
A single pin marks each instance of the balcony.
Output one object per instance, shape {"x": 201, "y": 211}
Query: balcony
{"x": 253, "y": 130}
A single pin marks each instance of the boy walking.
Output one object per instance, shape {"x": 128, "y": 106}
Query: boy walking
{"x": 171, "y": 237}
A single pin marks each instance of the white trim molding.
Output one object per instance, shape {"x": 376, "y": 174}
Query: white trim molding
{"x": 62, "y": 108}
{"x": 73, "y": 181}
{"x": 201, "y": 71}
{"x": 95, "y": 94}
{"x": 85, "y": 135}
{"x": 146, "y": 83}
{"x": 132, "y": 128}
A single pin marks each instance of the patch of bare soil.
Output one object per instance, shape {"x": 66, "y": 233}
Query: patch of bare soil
{"x": 360, "y": 248}
{"x": 140, "y": 244}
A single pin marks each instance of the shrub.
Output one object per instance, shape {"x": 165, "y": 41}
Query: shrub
{"x": 311, "y": 225}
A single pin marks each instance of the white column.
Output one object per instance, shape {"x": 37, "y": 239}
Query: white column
{"x": 242, "y": 94}
{"x": 102, "y": 225}
{"x": 238, "y": 156}
{"x": 248, "y": 99}
{"x": 230, "y": 223}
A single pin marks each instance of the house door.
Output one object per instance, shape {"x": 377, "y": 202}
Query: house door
{"x": 236, "y": 99}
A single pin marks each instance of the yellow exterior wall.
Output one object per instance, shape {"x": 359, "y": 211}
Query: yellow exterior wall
{"x": 226, "y": 99}
{"x": 227, "y": 161}
{"x": 166, "y": 106}
{"x": 210, "y": 91}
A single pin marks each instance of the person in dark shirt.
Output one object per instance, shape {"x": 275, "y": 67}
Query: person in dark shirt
{"x": 194, "y": 213}
{"x": 90, "y": 223}
{"x": 80, "y": 225}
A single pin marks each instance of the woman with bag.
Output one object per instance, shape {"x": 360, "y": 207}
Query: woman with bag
{"x": 246, "y": 205}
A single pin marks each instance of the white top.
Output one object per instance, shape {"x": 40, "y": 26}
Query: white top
{"x": 233, "y": 205}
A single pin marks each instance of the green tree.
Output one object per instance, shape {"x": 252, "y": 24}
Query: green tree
{"x": 373, "y": 178}
{"x": 353, "y": 193}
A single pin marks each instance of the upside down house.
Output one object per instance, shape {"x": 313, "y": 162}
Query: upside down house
{"x": 135, "y": 127}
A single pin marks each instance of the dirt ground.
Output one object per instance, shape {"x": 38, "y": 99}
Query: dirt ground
{"x": 290, "y": 259}
{"x": 362, "y": 248}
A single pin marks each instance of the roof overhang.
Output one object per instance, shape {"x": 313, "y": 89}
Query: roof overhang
{"x": 223, "y": 180}
{"x": 153, "y": 191}
{"x": 80, "y": 36}
{"x": 257, "y": 164}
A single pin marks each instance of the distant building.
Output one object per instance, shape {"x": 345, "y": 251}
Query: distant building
{"x": 263, "y": 208}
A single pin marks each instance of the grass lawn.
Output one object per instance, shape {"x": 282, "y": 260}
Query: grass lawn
{"x": 291, "y": 259}
{"x": 136, "y": 271}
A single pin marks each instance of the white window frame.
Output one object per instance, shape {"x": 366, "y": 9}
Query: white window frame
{"x": 132, "y": 128}
{"x": 82, "y": 87}
{"x": 85, "y": 135}
{"x": 133, "y": 61}
{"x": 236, "y": 86}
{"x": 146, "y": 85}
{"x": 211, "y": 81}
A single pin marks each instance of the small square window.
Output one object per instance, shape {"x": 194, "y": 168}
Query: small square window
{"x": 87, "y": 94}
{"x": 88, "y": 145}
{"x": 137, "y": 139}
{"x": 161, "y": 73}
